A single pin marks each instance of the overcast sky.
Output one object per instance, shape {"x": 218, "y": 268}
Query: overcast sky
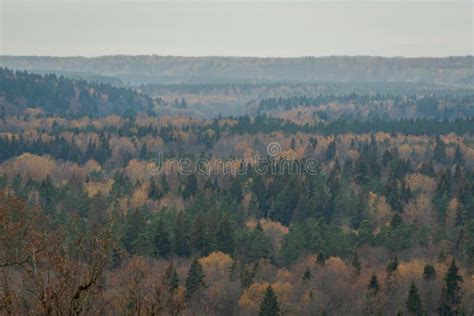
{"x": 236, "y": 28}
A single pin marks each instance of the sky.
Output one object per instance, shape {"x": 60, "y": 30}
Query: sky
{"x": 261, "y": 28}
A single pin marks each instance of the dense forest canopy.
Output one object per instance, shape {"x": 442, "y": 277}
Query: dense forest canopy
{"x": 112, "y": 201}
{"x": 58, "y": 95}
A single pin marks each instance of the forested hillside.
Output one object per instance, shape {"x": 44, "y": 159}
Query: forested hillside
{"x": 327, "y": 204}
{"x": 20, "y": 90}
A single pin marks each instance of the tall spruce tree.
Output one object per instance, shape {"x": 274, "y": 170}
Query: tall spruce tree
{"x": 225, "y": 236}
{"x": 356, "y": 263}
{"x": 413, "y": 302}
{"x": 429, "y": 272}
{"x": 195, "y": 279}
{"x": 182, "y": 238}
{"x": 199, "y": 235}
{"x": 269, "y": 305}
{"x": 161, "y": 239}
{"x": 439, "y": 152}
{"x": 373, "y": 285}
{"x": 451, "y": 297}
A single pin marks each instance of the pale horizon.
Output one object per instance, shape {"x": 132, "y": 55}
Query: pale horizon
{"x": 264, "y": 29}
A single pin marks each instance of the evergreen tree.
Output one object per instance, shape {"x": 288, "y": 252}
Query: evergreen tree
{"x": 46, "y": 191}
{"x": 225, "y": 236}
{"x": 331, "y": 151}
{"x": 458, "y": 156}
{"x": 307, "y": 275}
{"x": 182, "y": 242}
{"x": 190, "y": 186}
{"x": 199, "y": 236}
{"x": 164, "y": 185}
{"x": 413, "y": 302}
{"x": 269, "y": 305}
{"x": 195, "y": 279}
{"x": 144, "y": 152}
{"x": 2, "y": 114}
{"x": 373, "y": 285}
{"x": 161, "y": 239}
{"x": 439, "y": 152}
{"x": 392, "y": 265}
{"x": 135, "y": 222}
{"x": 356, "y": 263}
{"x": 451, "y": 297}
{"x": 321, "y": 258}
{"x": 429, "y": 272}
{"x": 293, "y": 143}
{"x": 154, "y": 192}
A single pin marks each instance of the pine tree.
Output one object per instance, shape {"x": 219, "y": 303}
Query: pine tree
{"x": 195, "y": 279}
{"x": 331, "y": 151}
{"x": 429, "y": 272}
{"x": 460, "y": 214}
{"x": 293, "y": 144}
{"x": 161, "y": 239}
{"x": 2, "y": 114}
{"x": 356, "y": 263}
{"x": 307, "y": 275}
{"x": 451, "y": 297}
{"x": 458, "y": 156}
{"x": 321, "y": 258}
{"x": 373, "y": 285}
{"x": 392, "y": 265}
{"x": 144, "y": 152}
{"x": 190, "y": 186}
{"x": 154, "y": 192}
{"x": 439, "y": 152}
{"x": 225, "y": 236}
{"x": 182, "y": 242}
{"x": 135, "y": 221}
{"x": 46, "y": 191}
{"x": 164, "y": 185}
{"x": 199, "y": 235}
{"x": 269, "y": 305}
{"x": 413, "y": 302}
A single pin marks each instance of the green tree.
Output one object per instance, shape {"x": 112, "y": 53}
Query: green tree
{"x": 225, "y": 240}
{"x": 331, "y": 151}
{"x": 458, "y": 156}
{"x": 373, "y": 285}
{"x": 269, "y": 305}
{"x": 429, "y": 272}
{"x": 469, "y": 245}
{"x": 439, "y": 152}
{"x": 451, "y": 297}
{"x": 135, "y": 222}
{"x": 413, "y": 302}
{"x": 154, "y": 191}
{"x": 161, "y": 239}
{"x": 356, "y": 263}
{"x": 199, "y": 235}
{"x": 182, "y": 242}
{"x": 190, "y": 186}
{"x": 144, "y": 152}
{"x": 164, "y": 185}
{"x": 195, "y": 279}
{"x": 392, "y": 266}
